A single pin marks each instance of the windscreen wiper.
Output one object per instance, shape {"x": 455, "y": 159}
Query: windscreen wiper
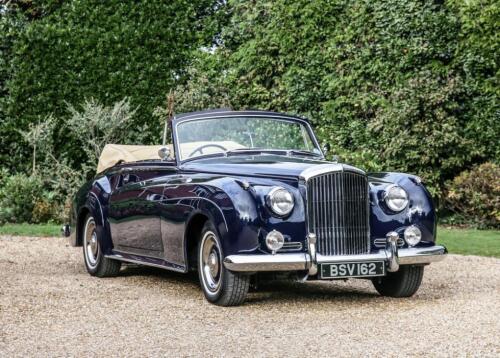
{"x": 253, "y": 150}
{"x": 288, "y": 152}
{"x": 303, "y": 152}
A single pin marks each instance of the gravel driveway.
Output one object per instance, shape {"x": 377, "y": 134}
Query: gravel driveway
{"x": 50, "y": 306}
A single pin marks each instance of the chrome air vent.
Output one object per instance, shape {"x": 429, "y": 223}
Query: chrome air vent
{"x": 291, "y": 246}
{"x": 382, "y": 242}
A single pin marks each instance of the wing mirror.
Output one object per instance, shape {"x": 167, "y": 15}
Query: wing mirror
{"x": 326, "y": 148}
{"x": 164, "y": 153}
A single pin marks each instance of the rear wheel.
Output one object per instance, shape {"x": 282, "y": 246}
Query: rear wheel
{"x": 403, "y": 283}
{"x": 220, "y": 286}
{"x": 95, "y": 261}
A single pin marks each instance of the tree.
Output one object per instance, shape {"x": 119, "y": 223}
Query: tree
{"x": 388, "y": 84}
{"x": 105, "y": 50}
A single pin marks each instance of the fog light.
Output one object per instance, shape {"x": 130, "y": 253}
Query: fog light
{"x": 274, "y": 241}
{"x": 413, "y": 235}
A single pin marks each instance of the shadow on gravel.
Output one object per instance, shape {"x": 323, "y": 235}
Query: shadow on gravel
{"x": 160, "y": 274}
{"x": 267, "y": 292}
{"x": 271, "y": 292}
{"x": 282, "y": 292}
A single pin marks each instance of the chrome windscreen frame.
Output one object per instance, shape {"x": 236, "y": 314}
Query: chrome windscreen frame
{"x": 223, "y": 114}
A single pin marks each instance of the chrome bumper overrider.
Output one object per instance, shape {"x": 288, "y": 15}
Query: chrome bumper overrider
{"x": 303, "y": 261}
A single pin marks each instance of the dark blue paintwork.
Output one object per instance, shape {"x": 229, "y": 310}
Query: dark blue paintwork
{"x": 145, "y": 210}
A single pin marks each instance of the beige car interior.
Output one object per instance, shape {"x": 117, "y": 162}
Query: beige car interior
{"x": 188, "y": 147}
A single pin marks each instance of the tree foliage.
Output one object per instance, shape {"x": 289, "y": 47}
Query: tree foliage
{"x": 102, "y": 49}
{"x": 391, "y": 85}
{"x": 403, "y": 85}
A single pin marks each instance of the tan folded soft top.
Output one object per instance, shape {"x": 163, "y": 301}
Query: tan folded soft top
{"x": 113, "y": 154}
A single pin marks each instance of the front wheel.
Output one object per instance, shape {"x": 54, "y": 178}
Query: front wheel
{"x": 220, "y": 286}
{"x": 95, "y": 261}
{"x": 403, "y": 283}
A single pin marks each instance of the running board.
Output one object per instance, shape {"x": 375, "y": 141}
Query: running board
{"x": 146, "y": 261}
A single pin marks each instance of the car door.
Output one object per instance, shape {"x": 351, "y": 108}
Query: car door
{"x": 175, "y": 209}
{"x": 134, "y": 210}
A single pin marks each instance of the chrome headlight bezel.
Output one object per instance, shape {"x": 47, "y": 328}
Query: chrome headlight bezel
{"x": 280, "y": 201}
{"x": 396, "y": 198}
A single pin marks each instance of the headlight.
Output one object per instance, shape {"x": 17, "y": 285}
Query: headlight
{"x": 413, "y": 235}
{"x": 274, "y": 241}
{"x": 280, "y": 201}
{"x": 396, "y": 198}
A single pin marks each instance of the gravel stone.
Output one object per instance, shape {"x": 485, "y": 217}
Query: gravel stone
{"x": 50, "y": 306}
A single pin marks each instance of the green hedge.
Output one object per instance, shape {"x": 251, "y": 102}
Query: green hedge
{"x": 106, "y": 50}
{"x": 392, "y": 85}
{"x": 406, "y": 85}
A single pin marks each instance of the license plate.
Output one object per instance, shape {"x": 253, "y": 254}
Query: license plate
{"x": 352, "y": 269}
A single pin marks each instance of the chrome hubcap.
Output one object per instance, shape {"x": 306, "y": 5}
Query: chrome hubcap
{"x": 213, "y": 264}
{"x": 210, "y": 262}
{"x": 91, "y": 244}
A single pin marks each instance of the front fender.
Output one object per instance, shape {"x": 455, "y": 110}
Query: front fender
{"x": 236, "y": 207}
{"x": 420, "y": 210}
{"x": 233, "y": 212}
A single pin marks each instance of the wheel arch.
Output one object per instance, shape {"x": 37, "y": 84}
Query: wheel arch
{"x": 80, "y": 221}
{"x": 194, "y": 226}
{"x": 92, "y": 206}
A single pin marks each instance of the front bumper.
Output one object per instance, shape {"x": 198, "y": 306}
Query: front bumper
{"x": 306, "y": 261}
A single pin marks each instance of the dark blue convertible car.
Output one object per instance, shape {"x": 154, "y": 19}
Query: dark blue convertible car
{"x": 242, "y": 195}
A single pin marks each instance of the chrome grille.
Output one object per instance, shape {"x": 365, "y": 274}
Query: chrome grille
{"x": 338, "y": 213}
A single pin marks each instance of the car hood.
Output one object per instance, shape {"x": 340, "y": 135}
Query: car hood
{"x": 263, "y": 165}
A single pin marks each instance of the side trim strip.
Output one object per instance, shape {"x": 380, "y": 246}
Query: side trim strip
{"x": 165, "y": 266}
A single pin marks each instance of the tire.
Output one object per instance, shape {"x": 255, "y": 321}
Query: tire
{"x": 220, "y": 286}
{"x": 96, "y": 263}
{"x": 403, "y": 283}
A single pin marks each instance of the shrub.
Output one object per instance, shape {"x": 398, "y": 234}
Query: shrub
{"x": 45, "y": 195}
{"x": 25, "y": 199}
{"x": 90, "y": 126}
{"x": 43, "y": 211}
{"x": 475, "y": 195}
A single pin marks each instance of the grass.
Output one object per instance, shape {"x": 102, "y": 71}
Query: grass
{"x": 31, "y": 229}
{"x": 470, "y": 241}
{"x": 458, "y": 241}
